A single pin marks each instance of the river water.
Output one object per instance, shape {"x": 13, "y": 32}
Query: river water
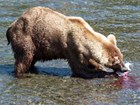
{"x": 52, "y": 85}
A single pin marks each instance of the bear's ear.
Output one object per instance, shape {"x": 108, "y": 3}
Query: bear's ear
{"x": 112, "y": 39}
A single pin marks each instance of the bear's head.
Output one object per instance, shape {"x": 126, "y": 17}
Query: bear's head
{"x": 114, "y": 55}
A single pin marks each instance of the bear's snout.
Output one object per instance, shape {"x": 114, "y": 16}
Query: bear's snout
{"x": 120, "y": 68}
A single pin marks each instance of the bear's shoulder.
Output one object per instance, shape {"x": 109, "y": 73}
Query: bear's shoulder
{"x": 89, "y": 32}
{"x": 81, "y": 23}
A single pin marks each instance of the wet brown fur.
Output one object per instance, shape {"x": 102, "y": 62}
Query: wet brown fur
{"x": 42, "y": 34}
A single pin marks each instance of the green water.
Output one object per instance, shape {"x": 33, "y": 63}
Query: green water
{"x": 53, "y": 84}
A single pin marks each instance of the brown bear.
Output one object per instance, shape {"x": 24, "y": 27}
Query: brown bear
{"x": 42, "y": 34}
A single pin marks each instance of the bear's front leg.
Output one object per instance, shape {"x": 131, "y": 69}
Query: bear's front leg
{"x": 83, "y": 71}
{"x": 22, "y": 63}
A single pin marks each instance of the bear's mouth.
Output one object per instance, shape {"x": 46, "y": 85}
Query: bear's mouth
{"x": 124, "y": 70}
{"x": 122, "y": 73}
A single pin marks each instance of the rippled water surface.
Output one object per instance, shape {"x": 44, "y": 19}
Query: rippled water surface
{"x": 53, "y": 84}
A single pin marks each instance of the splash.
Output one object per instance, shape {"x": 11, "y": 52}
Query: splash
{"x": 128, "y": 65}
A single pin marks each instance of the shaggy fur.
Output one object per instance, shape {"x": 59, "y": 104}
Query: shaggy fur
{"x": 42, "y": 34}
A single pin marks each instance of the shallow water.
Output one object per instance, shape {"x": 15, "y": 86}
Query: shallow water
{"x": 53, "y": 84}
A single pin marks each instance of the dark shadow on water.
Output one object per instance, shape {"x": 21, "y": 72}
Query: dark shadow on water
{"x": 51, "y": 71}
{"x": 8, "y": 69}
